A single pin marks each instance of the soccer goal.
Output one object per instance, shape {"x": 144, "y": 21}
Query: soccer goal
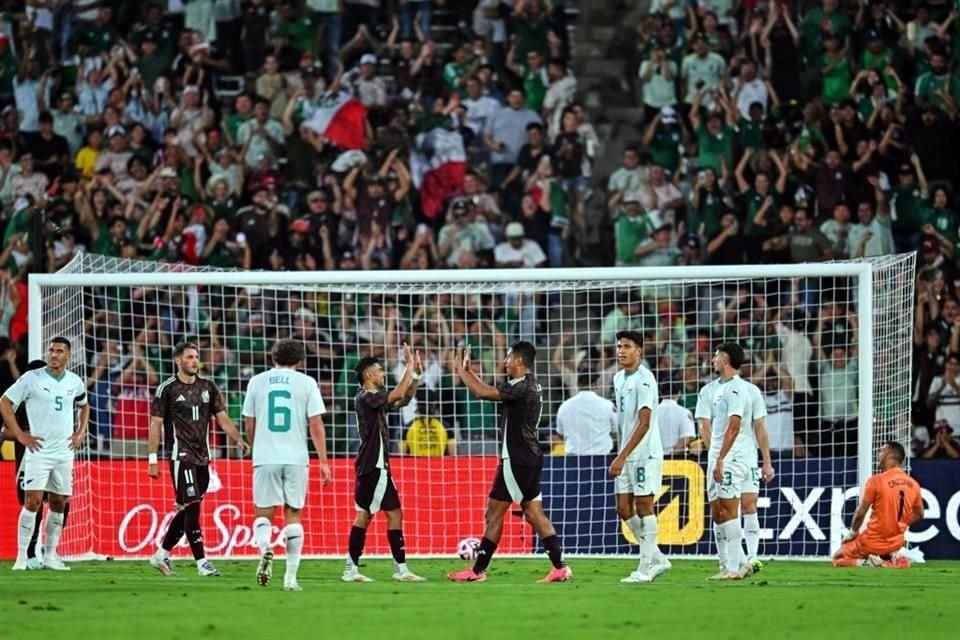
{"x": 829, "y": 344}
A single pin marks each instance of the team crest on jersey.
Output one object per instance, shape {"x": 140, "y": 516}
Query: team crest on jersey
{"x": 205, "y": 396}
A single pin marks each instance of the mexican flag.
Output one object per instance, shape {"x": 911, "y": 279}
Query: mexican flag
{"x": 339, "y": 118}
{"x": 438, "y": 163}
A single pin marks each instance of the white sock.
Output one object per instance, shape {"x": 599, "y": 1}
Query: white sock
{"x": 53, "y": 530}
{"x": 201, "y": 561}
{"x": 721, "y": 544}
{"x": 751, "y": 533}
{"x": 261, "y": 533}
{"x": 294, "y": 536}
{"x": 734, "y": 535}
{"x": 161, "y": 554}
{"x": 401, "y": 567}
{"x": 28, "y": 521}
{"x": 636, "y": 527}
{"x": 652, "y": 552}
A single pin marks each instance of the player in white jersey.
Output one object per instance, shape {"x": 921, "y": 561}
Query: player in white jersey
{"x": 281, "y": 406}
{"x": 731, "y": 441}
{"x": 52, "y": 396}
{"x": 750, "y": 488}
{"x": 638, "y": 468}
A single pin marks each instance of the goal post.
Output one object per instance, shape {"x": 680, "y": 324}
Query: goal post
{"x": 828, "y": 343}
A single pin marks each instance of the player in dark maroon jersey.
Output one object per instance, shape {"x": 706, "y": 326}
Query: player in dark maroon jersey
{"x": 521, "y": 461}
{"x": 183, "y": 406}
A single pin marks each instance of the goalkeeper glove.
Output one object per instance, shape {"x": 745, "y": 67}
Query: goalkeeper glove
{"x": 849, "y": 534}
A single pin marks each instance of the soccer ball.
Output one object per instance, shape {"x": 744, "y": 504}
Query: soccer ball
{"x": 468, "y": 547}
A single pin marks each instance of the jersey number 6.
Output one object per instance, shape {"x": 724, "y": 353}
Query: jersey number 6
{"x": 280, "y": 416}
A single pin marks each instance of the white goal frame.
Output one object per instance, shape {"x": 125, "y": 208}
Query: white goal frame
{"x": 863, "y": 271}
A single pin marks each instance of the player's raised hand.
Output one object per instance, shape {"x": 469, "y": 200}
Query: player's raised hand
{"x": 767, "y": 473}
{"x": 407, "y": 355}
{"x": 325, "y": 474}
{"x": 31, "y": 442}
{"x": 466, "y": 357}
{"x": 417, "y": 363}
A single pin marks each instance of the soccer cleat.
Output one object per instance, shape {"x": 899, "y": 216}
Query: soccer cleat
{"x": 637, "y": 577}
{"x": 54, "y": 563}
{"x": 204, "y": 568}
{"x": 265, "y": 569}
{"x": 352, "y": 574}
{"x": 291, "y": 585}
{"x": 659, "y": 567}
{"x": 407, "y": 576}
{"x": 34, "y": 564}
{"x": 467, "y": 575}
{"x": 20, "y": 564}
{"x": 745, "y": 571}
{"x": 900, "y": 562}
{"x": 563, "y": 574}
{"x": 722, "y": 575}
{"x": 163, "y": 565}
{"x": 734, "y": 575}
{"x": 756, "y": 564}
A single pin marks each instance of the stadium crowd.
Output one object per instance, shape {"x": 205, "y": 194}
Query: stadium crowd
{"x": 356, "y": 134}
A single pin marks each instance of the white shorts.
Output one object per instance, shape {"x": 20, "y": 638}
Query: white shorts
{"x": 735, "y": 477}
{"x": 280, "y": 484}
{"x": 48, "y": 474}
{"x": 640, "y": 477}
{"x": 751, "y": 484}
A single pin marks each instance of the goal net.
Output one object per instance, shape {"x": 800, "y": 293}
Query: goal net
{"x": 829, "y": 344}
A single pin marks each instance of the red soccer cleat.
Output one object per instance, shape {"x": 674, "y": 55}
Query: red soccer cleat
{"x": 562, "y": 574}
{"x": 467, "y": 575}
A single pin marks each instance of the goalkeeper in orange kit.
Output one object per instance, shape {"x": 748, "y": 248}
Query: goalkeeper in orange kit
{"x": 897, "y": 504}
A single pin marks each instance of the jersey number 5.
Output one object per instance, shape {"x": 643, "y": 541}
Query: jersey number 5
{"x": 280, "y": 416}
{"x": 58, "y": 403}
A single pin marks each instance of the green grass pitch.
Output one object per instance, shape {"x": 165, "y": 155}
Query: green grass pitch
{"x": 99, "y": 600}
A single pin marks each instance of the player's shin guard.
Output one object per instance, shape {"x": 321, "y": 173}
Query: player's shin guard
{"x": 358, "y": 537}
{"x": 54, "y": 529}
{"x": 261, "y": 533}
{"x": 294, "y": 539}
{"x": 734, "y": 535}
{"x": 397, "y": 546}
{"x": 751, "y": 534}
{"x": 27, "y": 525}
{"x": 554, "y": 550}
{"x": 485, "y": 555}
{"x": 636, "y": 527}
{"x": 174, "y": 532}
{"x": 35, "y": 538}
{"x": 721, "y": 543}
{"x": 648, "y": 544}
{"x": 191, "y": 527}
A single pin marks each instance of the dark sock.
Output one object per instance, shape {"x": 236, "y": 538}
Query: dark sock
{"x": 554, "y": 550}
{"x": 191, "y": 527}
{"x": 397, "y": 548}
{"x": 174, "y": 531}
{"x": 484, "y": 555}
{"x": 358, "y": 537}
{"x": 32, "y": 549}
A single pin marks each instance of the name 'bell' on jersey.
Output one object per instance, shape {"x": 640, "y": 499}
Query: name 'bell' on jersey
{"x": 636, "y": 391}
{"x": 282, "y": 401}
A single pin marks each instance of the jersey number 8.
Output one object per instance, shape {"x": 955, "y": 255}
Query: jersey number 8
{"x": 280, "y": 416}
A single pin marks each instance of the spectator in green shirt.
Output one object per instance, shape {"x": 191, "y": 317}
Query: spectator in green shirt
{"x": 836, "y": 70}
{"x": 937, "y": 83}
{"x": 535, "y": 80}
{"x": 907, "y": 200}
{"x": 297, "y": 31}
{"x": 715, "y": 139}
{"x": 817, "y": 23}
{"x": 631, "y": 229}
{"x": 941, "y": 221}
{"x": 663, "y": 138}
{"x": 461, "y": 67}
